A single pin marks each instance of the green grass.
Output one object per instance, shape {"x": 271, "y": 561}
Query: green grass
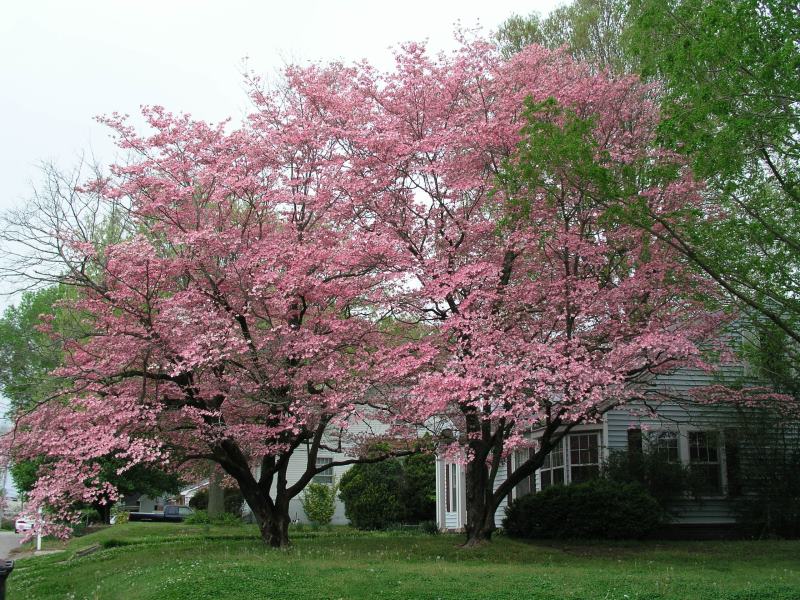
{"x": 166, "y": 561}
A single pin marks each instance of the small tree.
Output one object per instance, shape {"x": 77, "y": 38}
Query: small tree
{"x": 319, "y": 502}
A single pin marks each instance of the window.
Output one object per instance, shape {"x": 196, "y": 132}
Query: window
{"x": 704, "y": 460}
{"x": 552, "y": 470}
{"x": 665, "y": 445}
{"x": 326, "y": 476}
{"x": 576, "y": 458}
{"x": 584, "y": 457}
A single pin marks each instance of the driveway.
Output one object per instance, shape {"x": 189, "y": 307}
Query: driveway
{"x": 8, "y": 541}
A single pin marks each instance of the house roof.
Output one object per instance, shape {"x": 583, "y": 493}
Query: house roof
{"x": 194, "y": 487}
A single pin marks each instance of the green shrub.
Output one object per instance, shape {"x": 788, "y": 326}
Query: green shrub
{"x": 598, "y": 509}
{"x": 391, "y": 492}
{"x": 665, "y": 481}
{"x": 226, "y": 518}
{"x": 764, "y": 475}
{"x": 199, "y": 517}
{"x": 429, "y": 527}
{"x": 233, "y": 501}
{"x": 91, "y": 515}
{"x": 120, "y": 516}
{"x": 319, "y": 502}
{"x": 200, "y": 500}
{"x": 370, "y": 493}
{"x": 418, "y": 488}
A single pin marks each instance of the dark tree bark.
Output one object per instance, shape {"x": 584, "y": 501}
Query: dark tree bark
{"x": 486, "y": 446}
{"x": 480, "y": 506}
{"x": 104, "y": 510}
{"x": 269, "y": 495}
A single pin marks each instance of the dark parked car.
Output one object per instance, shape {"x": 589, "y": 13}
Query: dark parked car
{"x": 171, "y": 513}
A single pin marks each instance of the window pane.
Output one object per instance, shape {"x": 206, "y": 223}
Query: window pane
{"x": 583, "y": 449}
{"x": 325, "y": 476}
{"x": 447, "y": 487}
{"x": 552, "y": 477}
{"x": 665, "y": 445}
{"x": 584, "y": 457}
{"x": 585, "y": 473}
{"x": 556, "y": 456}
{"x": 704, "y": 460}
{"x": 453, "y": 488}
{"x": 552, "y": 471}
{"x": 558, "y": 476}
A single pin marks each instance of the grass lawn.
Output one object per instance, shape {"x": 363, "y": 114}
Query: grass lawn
{"x": 167, "y": 561}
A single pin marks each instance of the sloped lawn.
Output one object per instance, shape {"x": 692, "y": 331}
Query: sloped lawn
{"x": 165, "y": 561}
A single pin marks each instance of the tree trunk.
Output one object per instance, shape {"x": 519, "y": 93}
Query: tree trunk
{"x": 276, "y": 531}
{"x": 482, "y": 499}
{"x": 273, "y": 525}
{"x": 480, "y": 504}
{"x": 104, "y": 510}
{"x": 216, "y": 496}
{"x": 272, "y": 518}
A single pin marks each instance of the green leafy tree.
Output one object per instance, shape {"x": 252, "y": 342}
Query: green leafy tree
{"x": 731, "y": 103}
{"x": 27, "y": 354}
{"x": 730, "y": 94}
{"x": 591, "y": 30}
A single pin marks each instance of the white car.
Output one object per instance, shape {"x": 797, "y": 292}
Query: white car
{"x": 23, "y": 524}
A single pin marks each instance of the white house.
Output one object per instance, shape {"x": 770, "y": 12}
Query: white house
{"x": 699, "y": 436}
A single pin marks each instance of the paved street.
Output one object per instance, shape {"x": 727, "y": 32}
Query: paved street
{"x": 8, "y": 541}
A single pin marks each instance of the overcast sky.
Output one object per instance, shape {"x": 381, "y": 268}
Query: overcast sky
{"x": 64, "y": 63}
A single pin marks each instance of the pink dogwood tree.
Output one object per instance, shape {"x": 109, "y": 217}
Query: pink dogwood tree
{"x": 507, "y": 187}
{"x": 479, "y": 202}
{"x": 235, "y": 324}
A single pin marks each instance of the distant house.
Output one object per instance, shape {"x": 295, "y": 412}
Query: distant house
{"x": 701, "y": 436}
{"x": 185, "y": 494}
{"x": 144, "y": 503}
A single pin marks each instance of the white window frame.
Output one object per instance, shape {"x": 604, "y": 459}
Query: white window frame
{"x": 651, "y": 443}
{"x": 561, "y": 449}
{"x": 566, "y": 456}
{"x": 721, "y": 463}
{"x": 598, "y": 448}
{"x": 683, "y": 434}
{"x": 324, "y": 477}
